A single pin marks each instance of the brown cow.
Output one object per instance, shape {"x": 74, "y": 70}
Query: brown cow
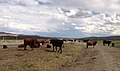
{"x": 91, "y": 43}
{"x": 21, "y": 45}
{"x": 36, "y": 45}
{"x": 30, "y": 42}
{"x": 47, "y": 41}
{"x": 42, "y": 41}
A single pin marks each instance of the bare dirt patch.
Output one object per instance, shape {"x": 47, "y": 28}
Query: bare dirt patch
{"x": 100, "y": 58}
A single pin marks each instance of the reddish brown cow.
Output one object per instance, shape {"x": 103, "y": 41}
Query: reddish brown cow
{"x": 36, "y": 45}
{"x": 30, "y": 42}
{"x": 21, "y": 45}
{"x": 91, "y": 43}
{"x": 47, "y": 41}
{"x": 42, "y": 41}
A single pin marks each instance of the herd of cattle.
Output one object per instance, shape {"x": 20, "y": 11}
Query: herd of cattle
{"x": 93, "y": 43}
{"x": 35, "y": 43}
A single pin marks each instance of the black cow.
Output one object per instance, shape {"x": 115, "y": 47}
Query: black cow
{"x": 106, "y": 42}
{"x": 57, "y": 43}
{"x": 86, "y": 40}
{"x": 4, "y": 46}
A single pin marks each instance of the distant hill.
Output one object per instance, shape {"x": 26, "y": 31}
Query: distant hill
{"x": 104, "y": 38}
{"x": 19, "y": 36}
{"x": 22, "y": 36}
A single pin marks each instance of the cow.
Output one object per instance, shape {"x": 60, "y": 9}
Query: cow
{"x": 106, "y": 42}
{"x": 43, "y": 41}
{"x": 47, "y": 41}
{"x": 40, "y": 41}
{"x": 4, "y": 46}
{"x": 48, "y": 46}
{"x": 57, "y": 43}
{"x": 31, "y": 42}
{"x": 91, "y": 43}
{"x": 86, "y": 40}
{"x": 37, "y": 45}
{"x": 113, "y": 44}
{"x": 21, "y": 45}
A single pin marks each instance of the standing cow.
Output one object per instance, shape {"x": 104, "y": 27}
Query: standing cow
{"x": 91, "y": 43}
{"x": 86, "y": 40}
{"x": 57, "y": 43}
{"x": 106, "y": 42}
{"x": 31, "y": 42}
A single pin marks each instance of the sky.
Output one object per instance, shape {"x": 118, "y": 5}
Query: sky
{"x": 61, "y": 18}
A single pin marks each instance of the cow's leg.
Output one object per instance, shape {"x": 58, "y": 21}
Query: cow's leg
{"x": 25, "y": 47}
{"x": 87, "y": 45}
{"x": 56, "y": 48}
{"x": 32, "y": 47}
{"x": 53, "y": 48}
{"x": 38, "y": 45}
{"x": 60, "y": 49}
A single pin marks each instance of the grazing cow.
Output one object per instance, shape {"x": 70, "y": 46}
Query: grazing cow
{"x": 36, "y": 45}
{"x": 57, "y": 43}
{"x": 21, "y": 45}
{"x": 42, "y": 41}
{"x": 48, "y": 46}
{"x": 86, "y": 40}
{"x": 106, "y": 42}
{"x": 4, "y": 46}
{"x": 91, "y": 43}
{"x": 30, "y": 42}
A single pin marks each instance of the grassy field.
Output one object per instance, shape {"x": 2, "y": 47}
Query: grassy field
{"x": 117, "y": 43}
{"x": 39, "y": 59}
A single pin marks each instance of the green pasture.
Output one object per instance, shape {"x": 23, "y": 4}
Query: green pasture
{"x": 116, "y": 42}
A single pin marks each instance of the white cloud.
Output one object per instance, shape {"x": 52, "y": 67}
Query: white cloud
{"x": 53, "y": 16}
{"x": 94, "y": 5}
{"x": 116, "y": 31}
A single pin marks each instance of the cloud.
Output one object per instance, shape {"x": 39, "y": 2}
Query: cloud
{"x": 31, "y": 19}
{"x": 70, "y": 18}
{"x": 94, "y": 5}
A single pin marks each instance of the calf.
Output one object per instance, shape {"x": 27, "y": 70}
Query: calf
{"x": 36, "y": 45}
{"x": 4, "y": 46}
{"x": 21, "y": 45}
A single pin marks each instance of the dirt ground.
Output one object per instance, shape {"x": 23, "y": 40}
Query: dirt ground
{"x": 100, "y": 58}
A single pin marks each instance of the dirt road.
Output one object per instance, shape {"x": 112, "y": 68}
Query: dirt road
{"x": 100, "y": 58}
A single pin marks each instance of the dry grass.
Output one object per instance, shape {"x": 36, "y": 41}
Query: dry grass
{"x": 41, "y": 59}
